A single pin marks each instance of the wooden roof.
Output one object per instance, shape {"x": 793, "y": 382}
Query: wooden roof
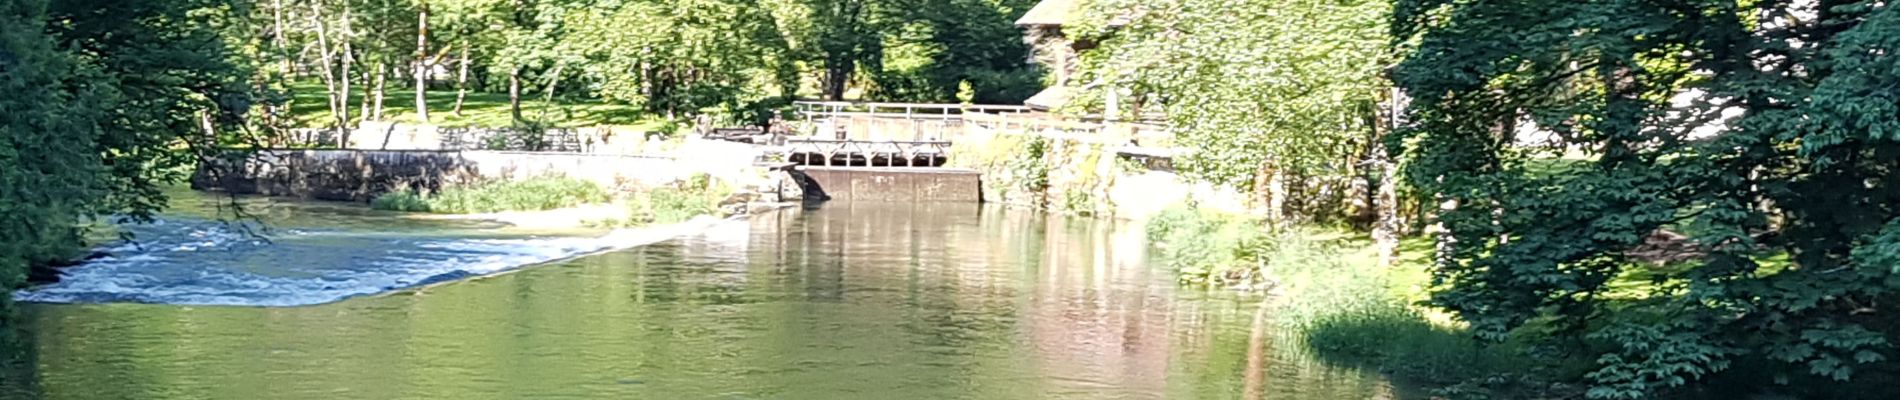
{"x": 1048, "y": 13}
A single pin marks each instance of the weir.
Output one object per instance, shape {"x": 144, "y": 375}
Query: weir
{"x": 834, "y": 150}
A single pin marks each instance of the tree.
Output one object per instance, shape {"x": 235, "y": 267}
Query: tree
{"x": 845, "y": 39}
{"x": 1754, "y": 129}
{"x": 423, "y": 62}
{"x": 690, "y": 55}
{"x": 1285, "y": 90}
{"x": 110, "y": 100}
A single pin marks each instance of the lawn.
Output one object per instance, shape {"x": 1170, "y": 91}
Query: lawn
{"x": 310, "y": 109}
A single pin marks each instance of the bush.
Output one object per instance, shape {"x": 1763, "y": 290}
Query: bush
{"x": 667, "y": 205}
{"x": 404, "y": 201}
{"x": 536, "y": 194}
{"x": 1208, "y": 248}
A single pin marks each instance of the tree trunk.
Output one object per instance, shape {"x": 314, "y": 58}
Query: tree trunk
{"x": 514, "y": 93}
{"x": 369, "y": 87}
{"x": 382, "y": 79}
{"x": 554, "y": 81}
{"x": 339, "y": 105}
{"x": 837, "y": 73}
{"x": 277, "y": 36}
{"x": 422, "y": 63}
{"x": 1386, "y": 225}
{"x": 461, "y": 80}
{"x": 1444, "y": 243}
{"x": 343, "y": 139}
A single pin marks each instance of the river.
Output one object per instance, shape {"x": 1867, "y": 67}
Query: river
{"x": 839, "y": 301}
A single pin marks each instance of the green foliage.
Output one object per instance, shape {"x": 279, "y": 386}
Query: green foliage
{"x": 1346, "y": 309}
{"x": 1016, "y": 167}
{"x": 403, "y": 201}
{"x": 1288, "y": 83}
{"x": 107, "y": 101}
{"x": 1205, "y": 247}
{"x": 678, "y": 205}
{"x": 480, "y": 109}
{"x": 674, "y": 204}
{"x": 688, "y": 55}
{"x": 536, "y": 194}
{"x": 1398, "y": 340}
{"x": 1760, "y": 135}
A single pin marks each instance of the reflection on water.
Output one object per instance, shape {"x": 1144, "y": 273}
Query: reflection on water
{"x": 848, "y": 301}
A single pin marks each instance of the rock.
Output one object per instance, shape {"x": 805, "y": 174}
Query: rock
{"x": 51, "y": 272}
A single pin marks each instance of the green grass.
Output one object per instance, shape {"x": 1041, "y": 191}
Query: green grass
{"x": 310, "y": 108}
{"x": 546, "y": 193}
{"x": 671, "y": 204}
{"x": 1327, "y": 287}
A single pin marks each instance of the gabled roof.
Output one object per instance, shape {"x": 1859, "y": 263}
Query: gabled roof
{"x": 1048, "y": 13}
{"x": 1050, "y": 99}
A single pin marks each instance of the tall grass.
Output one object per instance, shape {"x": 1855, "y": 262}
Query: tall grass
{"x": 673, "y": 204}
{"x": 1342, "y": 305}
{"x": 535, "y": 194}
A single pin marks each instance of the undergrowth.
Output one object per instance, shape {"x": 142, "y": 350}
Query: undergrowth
{"x": 535, "y": 194}
{"x": 1327, "y": 288}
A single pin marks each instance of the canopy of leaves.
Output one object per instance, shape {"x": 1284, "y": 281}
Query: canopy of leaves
{"x": 105, "y": 101}
{"x": 1756, "y": 128}
{"x": 1291, "y": 83}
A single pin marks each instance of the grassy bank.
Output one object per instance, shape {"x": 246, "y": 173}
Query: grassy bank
{"x": 642, "y": 206}
{"x": 310, "y": 108}
{"x": 671, "y": 204}
{"x": 536, "y": 194}
{"x": 1326, "y": 285}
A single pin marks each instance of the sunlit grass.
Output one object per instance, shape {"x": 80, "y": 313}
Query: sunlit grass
{"x": 535, "y": 194}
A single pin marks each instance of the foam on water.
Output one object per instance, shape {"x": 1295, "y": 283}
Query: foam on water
{"x": 202, "y": 262}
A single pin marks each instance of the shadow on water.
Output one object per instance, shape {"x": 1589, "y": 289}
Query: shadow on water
{"x": 19, "y": 357}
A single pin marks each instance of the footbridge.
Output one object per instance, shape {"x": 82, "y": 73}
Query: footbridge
{"x": 866, "y": 134}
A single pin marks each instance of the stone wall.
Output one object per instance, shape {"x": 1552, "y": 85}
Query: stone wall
{"x": 592, "y": 140}
{"x": 360, "y": 175}
{"x": 1081, "y": 172}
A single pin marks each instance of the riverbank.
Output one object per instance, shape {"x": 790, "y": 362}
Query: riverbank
{"x": 1326, "y": 286}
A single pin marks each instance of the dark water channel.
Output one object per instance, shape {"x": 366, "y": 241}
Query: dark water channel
{"x": 845, "y": 301}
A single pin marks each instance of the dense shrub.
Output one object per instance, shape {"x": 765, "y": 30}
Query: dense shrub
{"x": 546, "y": 193}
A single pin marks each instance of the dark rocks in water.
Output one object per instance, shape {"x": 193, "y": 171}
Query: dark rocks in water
{"x": 50, "y": 272}
{"x": 444, "y": 277}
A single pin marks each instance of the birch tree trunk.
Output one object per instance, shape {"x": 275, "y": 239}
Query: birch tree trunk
{"x": 339, "y": 107}
{"x": 382, "y": 79}
{"x": 348, "y": 57}
{"x": 1386, "y": 226}
{"x": 422, "y": 62}
{"x": 461, "y": 80}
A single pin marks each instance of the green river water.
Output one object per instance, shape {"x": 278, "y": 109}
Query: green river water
{"x": 841, "y": 301}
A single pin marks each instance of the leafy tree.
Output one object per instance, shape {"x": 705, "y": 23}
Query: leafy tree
{"x": 1757, "y": 129}
{"x": 688, "y": 55}
{"x": 1286, "y": 88}
{"x": 108, "y": 101}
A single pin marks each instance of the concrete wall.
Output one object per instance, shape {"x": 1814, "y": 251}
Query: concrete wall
{"x": 927, "y": 185}
{"x": 593, "y": 140}
{"x": 360, "y": 175}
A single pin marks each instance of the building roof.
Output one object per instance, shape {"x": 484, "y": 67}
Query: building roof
{"x": 1049, "y": 99}
{"x": 1048, "y": 13}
